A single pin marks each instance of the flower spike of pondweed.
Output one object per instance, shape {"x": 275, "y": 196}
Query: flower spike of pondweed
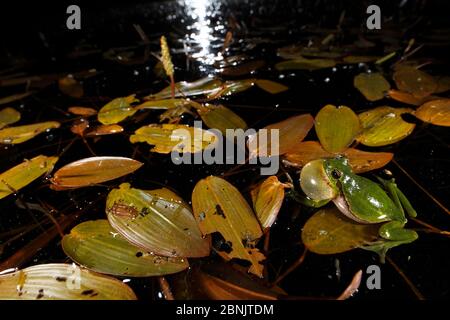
{"x": 167, "y": 63}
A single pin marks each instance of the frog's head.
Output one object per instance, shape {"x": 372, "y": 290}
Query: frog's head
{"x": 319, "y": 178}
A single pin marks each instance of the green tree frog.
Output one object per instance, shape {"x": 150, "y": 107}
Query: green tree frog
{"x": 361, "y": 199}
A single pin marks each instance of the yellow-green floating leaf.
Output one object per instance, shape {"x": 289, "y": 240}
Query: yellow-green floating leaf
{"x": 328, "y": 231}
{"x": 336, "y": 128}
{"x": 220, "y": 207}
{"x": 90, "y": 171}
{"x": 117, "y": 110}
{"x": 384, "y": 125}
{"x": 305, "y": 64}
{"x": 156, "y": 220}
{"x": 267, "y": 200}
{"x": 201, "y": 86}
{"x": 221, "y": 118}
{"x": 19, "y": 134}
{"x": 372, "y": 85}
{"x": 436, "y": 112}
{"x": 23, "y": 174}
{"x": 8, "y": 116}
{"x": 97, "y": 246}
{"x": 271, "y": 86}
{"x": 59, "y": 281}
{"x": 171, "y": 137}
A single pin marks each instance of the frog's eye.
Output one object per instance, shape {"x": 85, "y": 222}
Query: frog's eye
{"x": 314, "y": 181}
{"x": 336, "y": 174}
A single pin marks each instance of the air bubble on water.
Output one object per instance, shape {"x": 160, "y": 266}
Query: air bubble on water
{"x": 327, "y": 79}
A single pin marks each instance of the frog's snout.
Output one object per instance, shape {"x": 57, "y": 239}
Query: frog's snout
{"x": 315, "y": 183}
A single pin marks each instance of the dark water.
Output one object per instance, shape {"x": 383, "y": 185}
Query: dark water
{"x": 36, "y": 41}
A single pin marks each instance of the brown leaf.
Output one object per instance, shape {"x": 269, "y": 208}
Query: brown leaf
{"x": 90, "y": 171}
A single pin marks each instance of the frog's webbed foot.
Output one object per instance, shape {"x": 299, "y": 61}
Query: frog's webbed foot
{"x": 393, "y": 234}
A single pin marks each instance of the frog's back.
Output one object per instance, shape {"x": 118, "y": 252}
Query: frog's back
{"x": 368, "y": 201}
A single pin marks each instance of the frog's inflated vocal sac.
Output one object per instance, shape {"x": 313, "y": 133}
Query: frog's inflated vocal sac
{"x": 360, "y": 199}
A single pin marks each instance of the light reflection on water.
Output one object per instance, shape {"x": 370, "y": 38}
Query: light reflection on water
{"x": 202, "y": 34}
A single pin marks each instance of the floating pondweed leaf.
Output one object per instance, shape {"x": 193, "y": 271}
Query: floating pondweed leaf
{"x": 172, "y": 137}
{"x": 202, "y": 86}
{"x": 363, "y": 161}
{"x": 19, "y": 134}
{"x": 294, "y": 52}
{"x": 436, "y": 112}
{"x": 90, "y": 171}
{"x": 21, "y": 175}
{"x": 443, "y": 84}
{"x": 231, "y": 87}
{"x": 98, "y": 247}
{"x": 59, "y": 281}
{"x": 71, "y": 87}
{"x": 372, "y": 85}
{"x": 243, "y": 69}
{"x": 271, "y": 86}
{"x": 409, "y": 98}
{"x": 79, "y": 126}
{"x": 221, "y": 118}
{"x": 305, "y": 64}
{"x": 8, "y": 116}
{"x": 360, "y": 161}
{"x": 328, "y": 231}
{"x": 414, "y": 81}
{"x": 267, "y": 199}
{"x": 336, "y": 128}
{"x": 290, "y": 131}
{"x": 117, "y": 110}
{"x": 384, "y": 125}
{"x": 157, "y": 220}
{"x": 82, "y": 111}
{"x": 218, "y": 289}
{"x": 15, "y": 97}
{"x": 220, "y": 207}
{"x": 359, "y": 59}
{"x": 104, "y": 129}
{"x": 163, "y": 104}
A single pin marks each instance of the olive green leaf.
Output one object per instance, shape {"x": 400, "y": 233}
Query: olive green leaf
{"x": 59, "y": 281}
{"x": 336, "y": 128}
{"x": 23, "y": 174}
{"x": 221, "y": 118}
{"x": 328, "y": 231}
{"x": 384, "y": 125}
{"x": 305, "y": 64}
{"x": 414, "y": 81}
{"x": 172, "y": 137}
{"x": 270, "y": 86}
{"x": 19, "y": 134}
{"x": 8, "y": 116}
{"x": 372, "y": 85}
{"x": 220, "y": 207}
{"x": 157, "y": 220}
{"x": 201, "y": 86}
{"x": 89, "y": 171}
{"x": 436, "y": 112}
{"x": 98, "y": 247}
{"x": 117, "y": 110}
